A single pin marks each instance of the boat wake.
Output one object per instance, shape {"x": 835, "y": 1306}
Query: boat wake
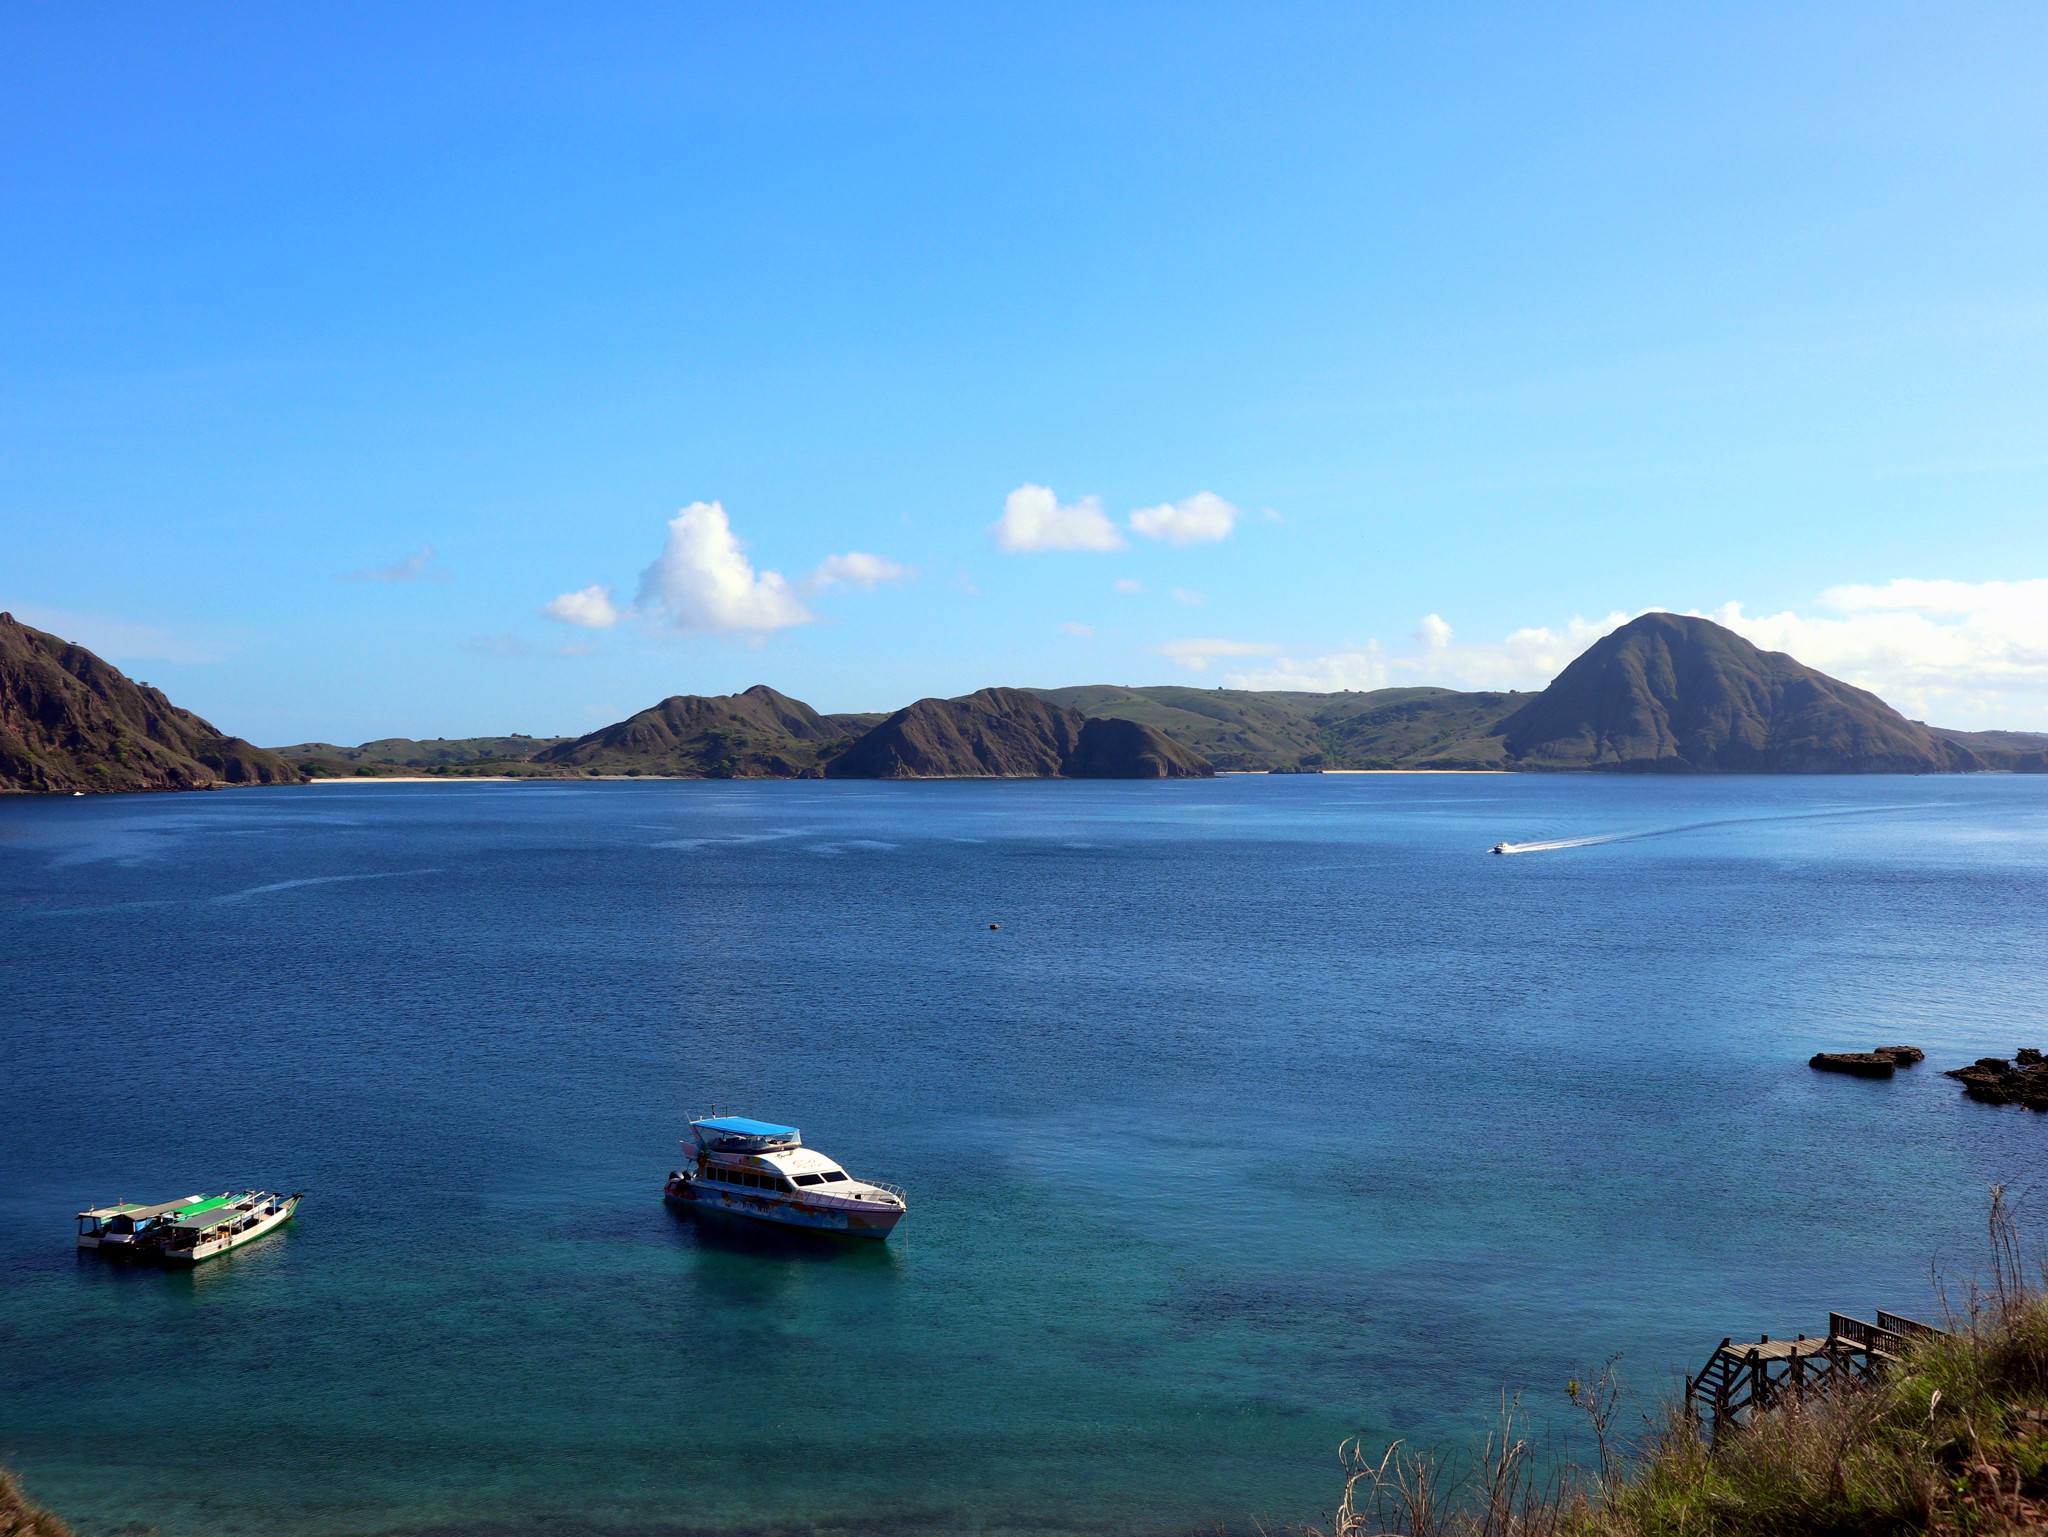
{"x": 1546, "y": 845}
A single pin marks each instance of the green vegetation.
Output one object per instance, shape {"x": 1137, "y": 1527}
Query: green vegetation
{"x": 1953, "y": 1440}
{"x": 1252, "y": 730}
{"x": 22, "y": 1517}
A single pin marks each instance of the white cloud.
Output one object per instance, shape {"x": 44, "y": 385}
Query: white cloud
{"x": 1203, "y": 518}
{"x": 1189, "y": 597}
{"x": 1526, "y": 659}
{"x": 418, "y": 566}
{"x": 1033, "y": 519}
{"x": 854, "y": 569}
{"x": 1962, "y": 654}
{"x": 1197, "y": 654}
{"x": 703, "y": 583}
{"x": 1966, "y": 654}
{"x": 1128, "y": 584}
{"x": 591, "y": 607}
{"x": 122, "y": 640}
{"x": 1076, "y": 629}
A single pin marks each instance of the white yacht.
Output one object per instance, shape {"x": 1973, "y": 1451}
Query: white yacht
{"x": 758, "y": 1169}
{"x": 203, "y": 1234}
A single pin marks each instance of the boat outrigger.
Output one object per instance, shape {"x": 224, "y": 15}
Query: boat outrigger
{"x": 758, "y": 1169}
{"x": 201, "y": 1235}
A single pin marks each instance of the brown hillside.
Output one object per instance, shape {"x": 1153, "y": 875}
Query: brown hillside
{"x": 998, "y": 733}
{"x": 1670, "y": 693}
{"x": 70, "y": 721}
{"x": 756, "y": 735}
{"x": 1125, "y": 749}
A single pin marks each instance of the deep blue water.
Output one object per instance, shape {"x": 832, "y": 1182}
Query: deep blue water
{"x": 1276, "y": 1111}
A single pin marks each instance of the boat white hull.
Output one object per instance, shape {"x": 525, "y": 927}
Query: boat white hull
{"x": 819, "y": 1214}
{"x": 212, "y": 1247}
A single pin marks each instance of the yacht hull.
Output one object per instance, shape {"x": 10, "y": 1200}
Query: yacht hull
{"x": 704, "y": 1195}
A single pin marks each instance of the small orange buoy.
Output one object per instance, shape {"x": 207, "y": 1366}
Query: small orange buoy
{"x": 995, "y": 925}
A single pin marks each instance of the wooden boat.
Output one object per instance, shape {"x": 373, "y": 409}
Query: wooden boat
{"x": 122, "y": 1226}
{"x": 201, "y": 1235}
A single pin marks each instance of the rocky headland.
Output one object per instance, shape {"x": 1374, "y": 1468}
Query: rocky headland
{"x": 72, "y": 722}
{"x": 1665, "y": 693}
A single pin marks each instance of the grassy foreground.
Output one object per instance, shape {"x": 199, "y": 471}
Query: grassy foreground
{"x": 1954, "y": 1440}
{"x": 19, "y": 1517}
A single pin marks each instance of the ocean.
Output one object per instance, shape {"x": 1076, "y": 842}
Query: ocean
{"x": 1276, "y": 1111}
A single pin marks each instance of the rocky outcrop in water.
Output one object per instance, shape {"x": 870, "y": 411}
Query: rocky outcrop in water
{"x": 71, "y": 721}
{"x": 1881, "y": 1062}
{"x": 1996, "y": 1081}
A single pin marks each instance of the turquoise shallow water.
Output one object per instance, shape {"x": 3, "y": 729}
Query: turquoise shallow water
{"x": 1275, "y": 1112}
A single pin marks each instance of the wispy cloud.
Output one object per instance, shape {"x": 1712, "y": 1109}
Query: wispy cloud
{"x": 1128, "y": 584}
{"x": 507, "y": 644}
{"x": 1203, "y": 518}
{"x": 123, "y": 640}
{"x": 1527, "y": 658}
{"x": 1077, "y": 629}
{"x": 1966, "y": 654}
{"x": 1196, "y": 654}
{"x": 590, "y": 607}
{"x": 1189, "y": 597}
{"x": 855, "y": 569}
{"x": 417, "y": 567}
{"x": 1955, "y": 653}
{"x": 1033, "y": 519}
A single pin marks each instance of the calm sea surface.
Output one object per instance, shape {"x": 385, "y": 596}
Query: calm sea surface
{"x": 1275, "y": 1112}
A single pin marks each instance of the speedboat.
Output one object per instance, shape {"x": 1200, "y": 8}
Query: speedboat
{"x": 200, "y": 1235}
{"x": 122, "y": 1226}
{"x": 761, "y": 1170}
{"x": 1498, "y": 848}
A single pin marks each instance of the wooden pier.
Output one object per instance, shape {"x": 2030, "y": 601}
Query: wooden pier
{"x": 1739, "y": 1381}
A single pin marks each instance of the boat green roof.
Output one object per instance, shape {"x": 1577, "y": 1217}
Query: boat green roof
{"x": 198, "y": 1216}
{"x": 137, "y": 1209}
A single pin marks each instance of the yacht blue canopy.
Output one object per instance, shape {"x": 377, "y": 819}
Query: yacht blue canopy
{"x": 740, "y": 1126}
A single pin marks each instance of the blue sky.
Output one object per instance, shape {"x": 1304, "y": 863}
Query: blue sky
{"x": 1481, "y": 326}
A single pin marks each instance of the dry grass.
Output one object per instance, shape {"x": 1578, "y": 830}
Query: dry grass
{"x": 21, "y": 1517}
{"x": 1953, "y": 1441}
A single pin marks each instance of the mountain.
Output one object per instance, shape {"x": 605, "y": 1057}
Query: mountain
{"x": 1009, "y": 733}
{"x": 756, "y": 735}
{"x": 1250, "y": 731}
{"x": 404, "y": 752}
{"x": 2011, "y": 752}
{"x": 1670, "y": 693}
{"x": 70, "y": 721}
{"x": 1126, "y": 749}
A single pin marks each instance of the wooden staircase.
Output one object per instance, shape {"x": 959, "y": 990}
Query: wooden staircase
{"x": 1740, "y": 1381}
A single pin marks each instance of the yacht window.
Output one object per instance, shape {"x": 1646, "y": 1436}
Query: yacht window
{"x": 810, "y": 1179}
{"x": 834, "y": 1178}
{"x": 751, "y": 1180}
